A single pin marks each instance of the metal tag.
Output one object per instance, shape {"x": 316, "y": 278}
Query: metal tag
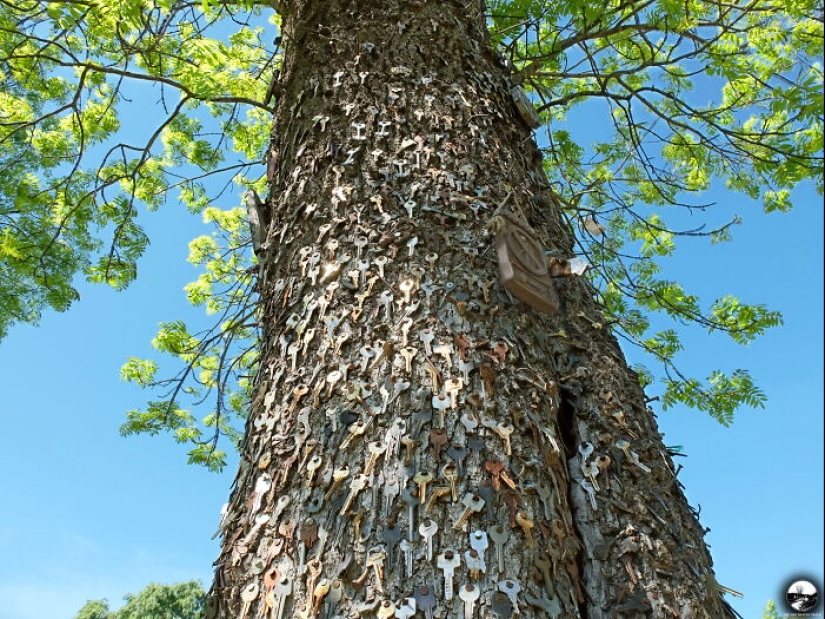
{"x": 523, "y": 268}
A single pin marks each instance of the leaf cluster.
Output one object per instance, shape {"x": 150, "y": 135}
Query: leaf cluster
{"x": 77, "y": 166}
{"x": 186, "y": 600}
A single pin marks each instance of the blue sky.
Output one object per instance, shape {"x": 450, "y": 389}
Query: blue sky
{"x": 88, "y": 514}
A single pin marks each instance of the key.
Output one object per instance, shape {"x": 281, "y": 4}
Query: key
{"x": 333, "y": 377}
{"x": 526, "y": 523}
{"x": 410, "y": 499}
{"x": 426, "y": 336}
{"x": 437, "y": 493}
{"x": 450, "y": 474}
{"x": 406, "y": 286}
{"x": 392, "y": 489}
{"x": 367, "y": 353}
{"x": 511, "y": 587}
{"x": 591, "y": 493}
{"x": 591, "y": 471}
{"x": 360, "y": 243}
{"x": 385, "y": 299}
{"x": 428, "y": 528}
{"x": 357, "y": 130}
{"x": 381, "y": 262}
{"x": 501, "y": 605}
{"x": 358, "y": 483}
{"x": 422, "y": 478}
{"x": 308, "y": 448}
{"x": 391, "y": 535}
{"x": 486, "y": 492}
{"x": 446, "y": 351}
{"x": 496, "y": 468}
{"x": 472, "y": 504}
{"x": 434, "y": 375}
{"x": 425, "y": 599}
{"x": 248, "y": 595}
{"x": 386, "y": 610}
{"x": 297, "y": 394}
{"x": 585, "y": 449}
{"x": 603, "y": 462}
{"x": 334, "y": 597}
{"x": 355, "y": 430}
{"x": 408, "y": 354}
{"x": 393, "y": 437}
{"x": 505, "y": 430}
{"x": 447, "y": 562}
{"x": 429, "y": 288}
{"x": 632, "y": 455}
{"x": 322, "y": 230}
{"x": 499, "y": 535}
{"x": 457, "y": 453}
{"x": 544, "y": 564}
{"x": 478, "y": 542}
{"x": 469, "y": 594}
{"x": 314, "y": 568}
{"x": 441, "y": 403}
{"x": 260, "y": 520}
{"x": 543, "y": 490}
{"x": 549, "y": 605}
{"x": 338, "y": 476}
{"x": 262, "y": 486}
{"x": 309, "y": 533}
{"x": 407, "y": 609}
{"x": 281, "y": 591}
{"x": 453, "y": 386}
{"x": 438, "y": 438}
{"x": 377, "y": 484}
{"x": 312, "y": 466}
{"x": 280, "y": 506}
{"x": 407, "y": 548}
{"x": 374, "y": 449}
{"x": 469, "y": 421}
{"x": 375, "y": 560}
{"x": 406, "y": 324}
{"x": 409, "y": 446}
{"x": 475, "y": 563}
{"x": 319, "y": 593}
{"x": 286, "y": 530}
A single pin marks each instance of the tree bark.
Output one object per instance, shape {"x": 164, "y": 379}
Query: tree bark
{"x": 396, "y": 144}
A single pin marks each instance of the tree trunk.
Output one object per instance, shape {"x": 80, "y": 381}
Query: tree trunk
{"x": 391, "y": 352}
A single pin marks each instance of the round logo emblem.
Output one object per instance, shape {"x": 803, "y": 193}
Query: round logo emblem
{"x": 802, "y": 596}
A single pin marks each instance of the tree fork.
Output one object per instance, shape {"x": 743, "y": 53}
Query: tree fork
{"x": 399, "y": 380}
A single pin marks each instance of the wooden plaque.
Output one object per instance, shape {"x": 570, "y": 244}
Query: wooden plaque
{"x": 523, "y": 269}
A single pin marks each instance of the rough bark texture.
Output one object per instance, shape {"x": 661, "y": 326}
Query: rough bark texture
{"x": 396, "y": 138}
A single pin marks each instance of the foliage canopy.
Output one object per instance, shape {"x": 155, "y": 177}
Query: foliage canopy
{"x": 692, "y": 94}
{"x": 184, "y": 600}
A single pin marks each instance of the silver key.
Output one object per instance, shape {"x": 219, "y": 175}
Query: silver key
{"x": 448, "y": 561}
{"x": 428, "y": 528}
{"x": 407, "y": 548}
{"x": 499, "y": 534}
{"x": 511, "y": 587}
{"x": 469, "y": 594}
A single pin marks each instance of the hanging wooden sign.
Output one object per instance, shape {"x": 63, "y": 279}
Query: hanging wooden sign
{"x": 523, "y": 267}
